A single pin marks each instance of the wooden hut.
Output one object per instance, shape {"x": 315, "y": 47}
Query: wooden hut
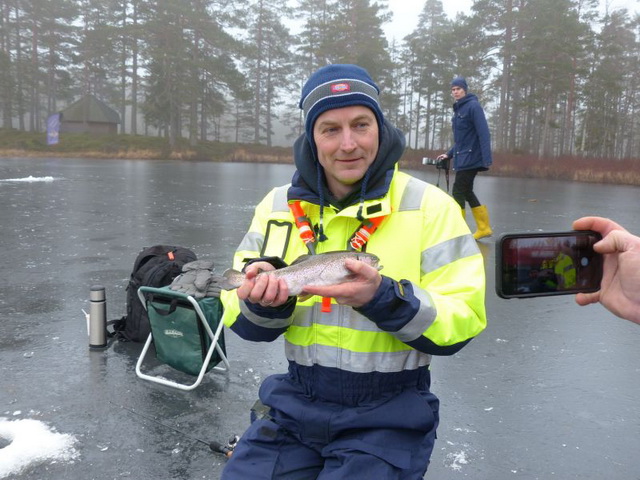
{"x": 89, "y": 115}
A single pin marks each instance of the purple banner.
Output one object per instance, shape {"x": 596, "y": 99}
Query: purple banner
{"x": 53, "y": 128}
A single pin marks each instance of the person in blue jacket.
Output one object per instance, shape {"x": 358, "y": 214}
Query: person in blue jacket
{"x": 471, "y": 152}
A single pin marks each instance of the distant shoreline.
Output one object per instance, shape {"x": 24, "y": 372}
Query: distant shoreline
{"x": 575, "y": 169}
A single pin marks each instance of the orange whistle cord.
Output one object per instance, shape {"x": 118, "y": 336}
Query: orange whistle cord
{"x": 304, "y": 226}
{"x": 326, "y": 305}
{"x": 171, "y": 256}
{"x": 368, "y": 227}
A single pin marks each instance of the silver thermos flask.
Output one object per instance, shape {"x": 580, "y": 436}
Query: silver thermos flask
{"x": 98, "y": 318}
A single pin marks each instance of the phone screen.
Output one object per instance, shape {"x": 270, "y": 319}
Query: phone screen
{"x": 543, "y": 264}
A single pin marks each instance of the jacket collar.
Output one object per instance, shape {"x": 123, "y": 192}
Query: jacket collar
{"x": 466, "y": 99}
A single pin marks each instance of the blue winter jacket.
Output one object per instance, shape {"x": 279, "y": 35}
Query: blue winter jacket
{"x": 472, "y": 140}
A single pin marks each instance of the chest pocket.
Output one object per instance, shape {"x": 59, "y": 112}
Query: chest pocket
{"x": 462, "y": 121}
{"x": 276, "y": 239}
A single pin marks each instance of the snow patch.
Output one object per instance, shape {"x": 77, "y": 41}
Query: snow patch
{"x": 32, "y": 442}
{"x": 457, "y": 459}
{"x": 29, "y": 179}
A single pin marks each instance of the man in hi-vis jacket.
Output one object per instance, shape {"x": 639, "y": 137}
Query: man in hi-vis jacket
{"x": 356, "y": 400}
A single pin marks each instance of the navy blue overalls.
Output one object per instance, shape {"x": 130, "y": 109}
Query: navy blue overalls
{"x": 343, "y": 434}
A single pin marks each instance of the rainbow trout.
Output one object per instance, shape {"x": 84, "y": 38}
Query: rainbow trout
{"x": 319, "y": 270}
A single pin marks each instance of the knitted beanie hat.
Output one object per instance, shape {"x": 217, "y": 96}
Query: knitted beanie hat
{"x": 338, "y": 86}
{"x": 460, "y": 82}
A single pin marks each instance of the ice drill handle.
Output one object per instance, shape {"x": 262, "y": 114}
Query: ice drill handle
{"x": 98, "y": 318}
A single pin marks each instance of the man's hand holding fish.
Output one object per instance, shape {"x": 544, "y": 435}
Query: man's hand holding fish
{"x": 358, "y": 291}
{"x": 267, "y": 290}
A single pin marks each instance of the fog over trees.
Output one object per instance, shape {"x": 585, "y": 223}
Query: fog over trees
{"x": 556, "y": 77}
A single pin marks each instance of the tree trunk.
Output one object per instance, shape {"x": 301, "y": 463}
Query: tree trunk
{"x": 258, "y": 79}
{"x": 35, "y": 91}
{"x": 134, "y": 70}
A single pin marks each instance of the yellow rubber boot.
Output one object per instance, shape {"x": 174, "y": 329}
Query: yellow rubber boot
{"x": 481, "y": 215}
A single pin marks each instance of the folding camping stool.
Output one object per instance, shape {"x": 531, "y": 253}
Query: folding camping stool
{"x": 187, "y": 334}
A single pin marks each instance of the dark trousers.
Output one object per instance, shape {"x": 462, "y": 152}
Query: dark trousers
{"x": 311, "y": 439}
{"x": 463, "y": 188}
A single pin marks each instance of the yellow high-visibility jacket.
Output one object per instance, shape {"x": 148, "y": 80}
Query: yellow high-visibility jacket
{"x": 565, "y": 270}
{"x": 431, "y": 300}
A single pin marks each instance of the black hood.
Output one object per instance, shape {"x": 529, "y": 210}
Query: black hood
{"x": 305, "y": 184}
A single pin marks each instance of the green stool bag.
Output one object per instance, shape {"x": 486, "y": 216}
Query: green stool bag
{"x": 180, "y": 339}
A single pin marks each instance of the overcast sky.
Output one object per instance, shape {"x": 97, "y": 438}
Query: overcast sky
{"x": 406, "y": 13}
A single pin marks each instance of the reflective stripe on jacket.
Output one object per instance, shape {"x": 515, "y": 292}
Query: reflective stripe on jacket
{"x": 431, "y": 300}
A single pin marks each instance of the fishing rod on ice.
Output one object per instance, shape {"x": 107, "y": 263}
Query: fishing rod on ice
{"x": 225, "y": 449}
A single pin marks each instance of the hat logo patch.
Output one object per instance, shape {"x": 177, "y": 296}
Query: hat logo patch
{"x": 340, "y": 87}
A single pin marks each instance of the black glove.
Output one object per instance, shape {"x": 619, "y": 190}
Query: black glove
{"x": 197, "y": 279}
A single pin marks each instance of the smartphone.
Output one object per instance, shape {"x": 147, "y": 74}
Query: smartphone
{"x": 543, "y": 264}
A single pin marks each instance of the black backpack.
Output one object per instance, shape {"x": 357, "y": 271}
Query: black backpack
{"x": 155, "y": 266}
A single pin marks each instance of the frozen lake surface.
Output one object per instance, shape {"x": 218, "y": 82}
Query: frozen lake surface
{"x": 549, "y": 390}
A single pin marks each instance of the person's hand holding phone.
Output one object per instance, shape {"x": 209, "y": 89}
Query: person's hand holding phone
{"x": 620, "y": 287}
